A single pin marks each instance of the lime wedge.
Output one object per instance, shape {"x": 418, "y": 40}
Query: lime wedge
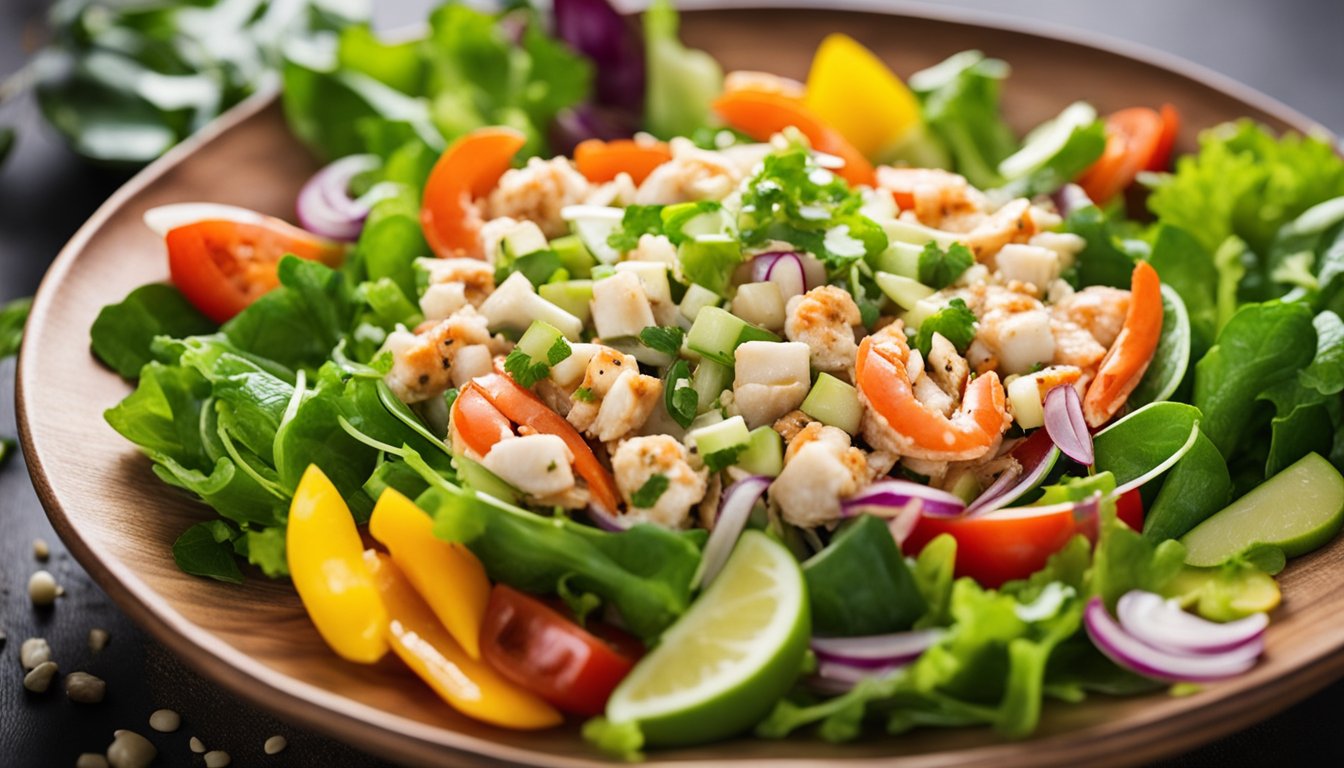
{"x": 725, "y": 663}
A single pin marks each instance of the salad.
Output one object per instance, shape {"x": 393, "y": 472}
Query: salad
{"x": 689, "y": 405}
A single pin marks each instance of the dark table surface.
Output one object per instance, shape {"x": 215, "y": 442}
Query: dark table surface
{"x": 1289, "y": 49}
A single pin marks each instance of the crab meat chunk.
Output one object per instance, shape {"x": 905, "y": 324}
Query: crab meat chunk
{"x": 620, "y": 306}
{"x": 820, "y": 469}
{"x": 617, "y": 398}
{"x": 640, "y": 459}
{"x": 538, "y": 191}
{"x": 772, "y": 378}
{"x": 536, "y": 464}
{"x": 423, "y": 363}
{"x": 824, "y": 320}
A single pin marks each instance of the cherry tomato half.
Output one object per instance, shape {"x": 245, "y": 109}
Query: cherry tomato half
{"x": 222, "y": 266}
{"x": 536, "y": 647}
{"x": 1129, "y": 509}
{"x": 1133, "y": 137}
{"x": 1000, "y": 546}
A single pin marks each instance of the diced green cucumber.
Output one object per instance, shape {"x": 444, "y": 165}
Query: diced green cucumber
{"x": 710, "y": 379}
{"x": 923, "y": 310}
{"x": 965, "y": 486}
{"x": 708, "y": 418}
{"x": 1296, "y": 511}
{"x": 709, "y": 260}
{"x": 902, "y": 290}
{"x": 1046, "y": 140}
{"x": 525, "y": 238}
{"x": 478, "y": 478}
{"x": 899, "y": 259}
{"x": 632, "y": 346}
{"x": 834, "y": 403}
{"x": 717, "y": 332}
{"x": 593, "y": 224}
{"x": 726, "y": 438}
{"x": 573, "y": 296}
{"x": 693, "y": 220}
{"x": 697, "y": 298}
{"x": 573, "y": 255}
{"x": 764, "y": 454}
{"x": 902, "y": 231}
{"x": 539, "y": 339}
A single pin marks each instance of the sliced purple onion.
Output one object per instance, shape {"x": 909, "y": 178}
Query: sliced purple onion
{"x": 325, "y": 206}
{"x": 888, "y": 498}
{"x": 598, "y": 31}
{"x": 609, "y": 521}
{"x": 876, "y": 650}
{"x": 734, "y": 511}
{"x": 586, "y": 121}
{"x": 1137, "y": 656}
{"x": 784, "y": 269}
{"x": 834, "y": 678}
{"x": 1070, "y": 198}
{"x": 1066, "y": 425}
{"x": 1036, "y": 456}
{"x": 1163, "y": 624}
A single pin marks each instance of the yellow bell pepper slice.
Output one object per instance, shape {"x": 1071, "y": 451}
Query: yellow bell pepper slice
{"x": 326, "y": 562}
{"x": 851, "y": 90}
{"x": 470, "y": 686}
{"x": 447, "y": 575}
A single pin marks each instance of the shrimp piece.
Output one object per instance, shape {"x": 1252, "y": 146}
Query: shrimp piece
{"x": 820, "y": 469}
{"x": 1013, "y": 223}
{"x": 619, "y": 398}
{"x": 931, "y": 194}
{"x": 1075, "y": 346}
{"x": 791, "y": 424}
{"x": 945, "y": 367}
{"x": 764, "y": 82}
{"x": 895, "y": 421}
{"x": 1099, "y": 310}
{"x": 538, "y": 191}
{"x": 422, "y": 362}
{"x": 824, "y": 320}
{"x": 1128, "y": 358}
{"x": 453, "y": 284}
{"x": 639, "y": 459}
{"x": 692, "y": 174}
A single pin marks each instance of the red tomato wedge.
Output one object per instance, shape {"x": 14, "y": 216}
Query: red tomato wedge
{"x": 468, "y": 169}
{"x": 1133, "y": 137}
{"x": 1171, "y": 127}
{"x": 539, "y": 649}
{"x": 477, "y": 421}
{"x": 522, "y": 407}
{"x": 1000, "y": 546}
{"x": 1129, "y": 509}
{"x": 762, "y": 114}
{"x": 601, "y": 161}
{"x": 223, "y": 265}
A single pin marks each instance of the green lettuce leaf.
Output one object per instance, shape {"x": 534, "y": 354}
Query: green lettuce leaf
{"x": 122, "y": 334}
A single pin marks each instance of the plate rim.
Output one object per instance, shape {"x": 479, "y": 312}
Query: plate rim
{"x": 295, "y": 700}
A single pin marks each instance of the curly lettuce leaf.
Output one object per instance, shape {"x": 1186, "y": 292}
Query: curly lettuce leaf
{"x": 960, "y": 98}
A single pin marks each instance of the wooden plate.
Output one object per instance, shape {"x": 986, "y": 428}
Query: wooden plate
{"x": 119, "y": 521}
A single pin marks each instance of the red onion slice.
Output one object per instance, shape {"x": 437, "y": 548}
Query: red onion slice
{"x": 888, "y": 498}
{"x": 734, "y": 511}
{"x": 874, "y": 651}
{"x": 325, "y": 206}
{"x": 834, "y": 678}
{"x": 1065, "y": 424}
{"x": 608, "y": 521}
{"x": 1070, "y": 198}
{"x": 1163, "y": 624}
{"x": 1037, "y": 456}
{"x": 787, "y": 273}
{"x": 1137, "y": 656}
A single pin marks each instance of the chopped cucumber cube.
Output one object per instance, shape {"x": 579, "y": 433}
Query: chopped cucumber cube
{"x": 966, "y": 487}
{"x": 902, "y": 231}
{"x": 593, "y": 224}
{"x": 573, "y": 296}
{"x": 631, "y": 345}
{"x": 478, "y": 478}
{"x": 710, "y": 379}
{"x": 1046, "y": 140}
{"x": 697, "y": 298}
{"x": 691, "y": 220}
{"x": 764, "y": 454}
{"x": 717, "y": 332}
{"x": 923, "y": 310}
{"x": 523, "y": 239}
{"x": 705, "y": 419}
{"x": 902, "y": 290}
{"x": 573, "y": 255}
{"x": 721, "y": 444}
{"x": 538, "y": 341}
{"x": 709, "y": 260}
{"x": 834, "y": 403}
{"x": 899, "y": 259}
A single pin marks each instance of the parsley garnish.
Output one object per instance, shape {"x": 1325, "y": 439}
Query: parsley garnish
{"x": 527, "y": 371}
{"x": 665, "y": 339}
{"x": 680, "y": 400}
{"x": 649, "y": 493}
{"x": 584, "y": 395}
{"x": 720, "y": 460}
{"x": 638, "y": 220}
{"x": 939, "y": 269}
{"x": 954, "y": 321}
{"x": 559, "y": 350}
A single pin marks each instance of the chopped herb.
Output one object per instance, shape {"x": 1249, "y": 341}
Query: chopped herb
{"x": 680, "y": 399}
{"x": 558, "y": 352}
{"x": 955, "y": 322}
{"x": 584, "y": 395}
{"x": 638, "y": 220}
{"x": 665, "y": 339}
{"x": 939, "y": 269}
{"x": 551, "y": 467}
{"x": 579, "y": 603}
{"x": 676, "y": 217}
{"x": 450, "y": 397}
{"x": 720, "y": 460}
{"x": 649, "y": 493}
{"x": 524, "y": 369}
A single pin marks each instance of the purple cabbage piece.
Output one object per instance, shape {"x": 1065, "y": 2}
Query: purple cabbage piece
{"x": 595, "y": 29}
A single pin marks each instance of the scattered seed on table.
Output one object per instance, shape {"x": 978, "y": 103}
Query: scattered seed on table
{"x": 98, "y": 639}
{"x": 41, "y": 550}
{"x": 84, "y": 688}
{"x": 217, "y": 758}
{"x": 42, "y": 588}
{"x": 165, "y": 720}
{"x": 91, "y": 760}
{"x": 34, "y": 651}
{"x": 196, "y": 745}
{"x": 275, "y": 745}
{"x": 130, "y": 750}
{"x": 39, "y": 679}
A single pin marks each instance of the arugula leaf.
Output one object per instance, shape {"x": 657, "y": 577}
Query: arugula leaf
{"x": 1306, "y": 410}
{"x": 1101, "y": 262}
{"x": 938, "y": 268}
{"x": 265, "y": 549}
{"x": 650, "y": 492}
{"x": 960, "y": 100}
{"x": 206, "y": 549}
{"x": 680, "y": 399}
{"x": 1125, "y": 560}
{"x": 392, "y": 238}
{"x": 1229, "y": 261}
{"x": 955, "y": 322}
{"x": 1141, "y": 441}
{"x": 665, "y": 339}
{"x": 637, "y": 220}
{"x": 122, "y": 333}
{"x": 13, "y": 315}
{"x": 682, "y": 82}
